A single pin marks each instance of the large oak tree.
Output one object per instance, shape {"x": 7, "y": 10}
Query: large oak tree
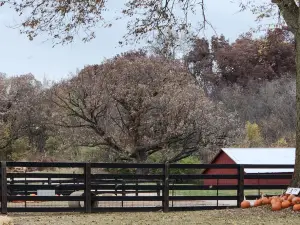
{"x": 62, "y": 19}
{"x": 135, "y": 106}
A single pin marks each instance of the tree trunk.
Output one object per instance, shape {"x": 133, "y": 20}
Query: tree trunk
{"x": 290, "y": 12}
{"x": 141, "y": 157}
{"x": 41, "y": 142}
{"x": 296, "y": 177}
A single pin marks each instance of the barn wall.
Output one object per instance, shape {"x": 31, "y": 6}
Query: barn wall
{"x": 268, "y": 181}
{"x": 225, "y": 159}
{"x": 222, "y": 158}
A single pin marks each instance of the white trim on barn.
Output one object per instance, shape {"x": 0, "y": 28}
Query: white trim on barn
{"x": 262, "y": 156}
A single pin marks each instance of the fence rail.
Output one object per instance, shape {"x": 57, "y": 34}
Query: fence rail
{"x": 88, "y": 190}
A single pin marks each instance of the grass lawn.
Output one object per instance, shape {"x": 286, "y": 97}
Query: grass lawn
{"x": 254, "y": 216}
{"x": 221, "y": 192}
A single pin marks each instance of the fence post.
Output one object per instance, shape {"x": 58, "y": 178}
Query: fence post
{"x": 218, "y": 192}
{"x": 123, "y": 191}
{"x": 87, "y": 190}
{"x": 157, "y": 188}
{"x": 3, "y": 188}
{"x": 240, "y": 190}
{"x": 26, "y": 191}
{"x": 165, "y": 193}
{"x": 136, "y": 187}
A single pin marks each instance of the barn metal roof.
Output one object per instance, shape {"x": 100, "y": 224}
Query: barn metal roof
{"x": 262, "y": 156}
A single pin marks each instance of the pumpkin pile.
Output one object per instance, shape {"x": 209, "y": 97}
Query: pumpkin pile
{"x": 276, "y": 202}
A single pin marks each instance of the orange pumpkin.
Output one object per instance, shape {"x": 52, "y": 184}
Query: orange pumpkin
{"x": 296, "y": 200}
{"x": 296, "y": 207}
{"x": 276, "y": 206}
{"x": 266, "y": 201}
{"x": 279, "y": 198}
{"x": 257, "y": 202}
{"x": 274, "y": 200}
{"x": 245, "y": 204}
{"x": 285, "y": 204}
{"x": 290, "y": 198}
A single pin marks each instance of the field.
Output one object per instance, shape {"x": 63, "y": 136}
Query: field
{"x": 222, "y": 192}
{"x": 254, "y": 216}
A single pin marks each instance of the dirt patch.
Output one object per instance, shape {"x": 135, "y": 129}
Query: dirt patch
{"x": 252, "y": 216}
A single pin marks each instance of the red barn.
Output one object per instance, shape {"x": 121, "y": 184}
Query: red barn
{"x": 252, "y": 156}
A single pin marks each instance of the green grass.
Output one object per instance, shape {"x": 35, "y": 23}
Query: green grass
{"x": 221, "y": 192}
{"x": 215, "y": 192}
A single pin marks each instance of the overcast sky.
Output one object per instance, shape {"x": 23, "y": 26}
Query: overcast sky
{"x": 20, "y": 56}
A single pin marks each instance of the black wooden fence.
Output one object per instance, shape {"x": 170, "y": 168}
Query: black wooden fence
{"x": 89, "y": 190}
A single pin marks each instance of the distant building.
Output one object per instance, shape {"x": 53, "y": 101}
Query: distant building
{"x": 252, "y": 156}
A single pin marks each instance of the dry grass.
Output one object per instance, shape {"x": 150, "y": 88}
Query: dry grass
{"x": 5, "y": 220}
{"x": 254, "y": 216}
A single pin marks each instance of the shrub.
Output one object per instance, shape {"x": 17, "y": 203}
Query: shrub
{"x": 19, "y": 149}
{"x": 280, "y": 143}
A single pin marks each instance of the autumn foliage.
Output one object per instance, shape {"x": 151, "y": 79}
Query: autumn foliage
{"x": 137, "y": 105}
{"x": 146, "y": 107}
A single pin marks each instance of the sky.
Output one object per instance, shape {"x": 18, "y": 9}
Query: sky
{"x": 20, "y": 56}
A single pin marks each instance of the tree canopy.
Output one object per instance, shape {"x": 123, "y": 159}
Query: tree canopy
{"x": 61, "y": 20}
{"x": 137, "y": 105}
{"x": 142, "y": 107}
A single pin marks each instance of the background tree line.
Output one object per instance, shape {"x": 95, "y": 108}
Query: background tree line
{"x": 154, "y": 106}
